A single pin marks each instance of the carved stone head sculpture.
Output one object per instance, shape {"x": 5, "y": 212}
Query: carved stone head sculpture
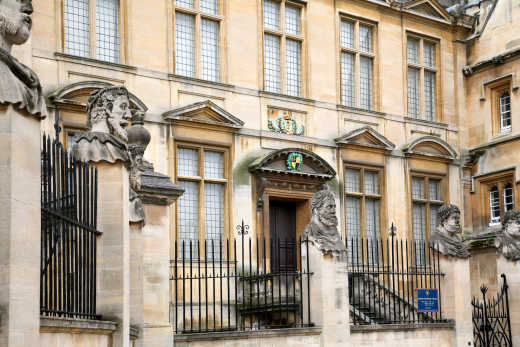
{"x": 447, "y": 237}
{"x": 20, "y": 86}
{"x": 322, "y": 229}
{"x": 108, "y": 113}
{"x": 508, "y": 240}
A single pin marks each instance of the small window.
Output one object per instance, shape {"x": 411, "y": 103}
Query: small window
{"x": 500, "y": 198}
{"x": 505, "y": 111}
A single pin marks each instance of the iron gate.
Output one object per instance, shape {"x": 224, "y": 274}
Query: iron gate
{"x": 491, "y": 322}
{"x": 68, "y": 234}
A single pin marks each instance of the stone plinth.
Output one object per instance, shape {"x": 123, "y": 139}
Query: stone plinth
{"x": 456, "y": 297}
{"x": 113, "y": 290}
{"x": 19, "y": 228}
{"x": 155, "y": 244}
{"x": 328, "y": 295}
{"x": 512, "y": 271}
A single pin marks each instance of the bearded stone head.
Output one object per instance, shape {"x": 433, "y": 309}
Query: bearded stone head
{"x": 511, "y": 224}
{"x": 15, "y": 22}
{"x": 323, "y": 206}
{"x": 449, "y": 219}
{"x": 108, "y": 111}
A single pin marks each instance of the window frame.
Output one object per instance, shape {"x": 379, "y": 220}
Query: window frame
{"x": 422, "y": 67}
{"x": 363, "y": 196}
{"x": 202, "y": 180}
{"x": 284, "y": 36}
{"x": 92, "y": 32}
{"x": 500, "y": 182}
{"x": 426, "y": 201}
{"x": 358, "y": 53}
{"x": 198, "y": 17}
{"x": 496, "y": 92}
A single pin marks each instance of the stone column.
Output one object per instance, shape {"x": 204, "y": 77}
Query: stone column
{"x": 328, "y": 295}
{"x": 456, "y": 297}
{"x": 113, "y": 258}
{"x": 511, "y": 269}
{"x": 19, "y": 227}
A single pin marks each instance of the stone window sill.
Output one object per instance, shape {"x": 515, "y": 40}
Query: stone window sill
{"x": 75, "y": 326}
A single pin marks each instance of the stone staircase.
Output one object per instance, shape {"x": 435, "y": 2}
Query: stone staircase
{"x": 373, "y": 302}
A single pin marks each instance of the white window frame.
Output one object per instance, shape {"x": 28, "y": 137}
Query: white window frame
{"x": 503, "y": 114}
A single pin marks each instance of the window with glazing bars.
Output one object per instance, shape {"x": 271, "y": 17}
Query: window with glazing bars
{"x": 101, "y": 41}
{"x": 197, "y": 39}
{"x": 426, "y": 201}
{"x": 362, "y": 213}
{"x": 504, "y": 104}
{"x": 201, "y": 172}
{"x": 357, "y": 63}
{"x": 500, "y": 199}
{"x": 283, "y": 41}
{"x": 422, "y": 73}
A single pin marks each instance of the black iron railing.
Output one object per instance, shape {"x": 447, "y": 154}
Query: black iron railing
{"x": 68, "y": 234}
{"x": 216, "y": 287}
{"x": 491, "y": 319}
{"x": 384, "y": 279}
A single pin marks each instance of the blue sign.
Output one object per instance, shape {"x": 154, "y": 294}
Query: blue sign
{"x": 427, "y": 300}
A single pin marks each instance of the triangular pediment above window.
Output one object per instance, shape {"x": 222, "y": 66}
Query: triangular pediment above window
{"x": 204, "y": 112}
{"x": 430, "y": 146}
{"x": 429, "y": 8}
{"x": 366, "y": 137}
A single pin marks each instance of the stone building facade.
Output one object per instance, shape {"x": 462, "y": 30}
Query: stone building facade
{"x": 254, "y": 105}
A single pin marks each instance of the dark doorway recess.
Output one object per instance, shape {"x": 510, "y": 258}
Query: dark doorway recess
{"x": 282, "y": 228}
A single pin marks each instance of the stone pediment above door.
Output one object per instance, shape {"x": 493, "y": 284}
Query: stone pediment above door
{"x": 365, "y": 137}
{"x": 294, "y": 162}
{"x": 204, "y": 112}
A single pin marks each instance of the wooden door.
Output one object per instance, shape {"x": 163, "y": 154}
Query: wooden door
{"x": 282, "y": 228}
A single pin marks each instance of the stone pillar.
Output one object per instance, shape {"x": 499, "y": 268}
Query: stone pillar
{"x": 19, "y": 228}
{"x": 456, "y": 297}
{"x": 328, "y": 295}
{"x": 155, "y": 238}
{"x": 113, "y": 259}
{"x": 511, "y": 269}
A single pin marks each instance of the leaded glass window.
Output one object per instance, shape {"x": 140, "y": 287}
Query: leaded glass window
{"x": 185, "y": 44}
{"x": 78, "y": 31}
{"x": 357, "y": 63}
{"x": 272, "y": 63}
{"x": 283, "y": 43}
{"x": 426, "y": 200}
{"x": 201, "y": 171}
{"x": 422, "y": 73}
{"x": 362, "y": 212}
{"x": 197, "y": 39}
